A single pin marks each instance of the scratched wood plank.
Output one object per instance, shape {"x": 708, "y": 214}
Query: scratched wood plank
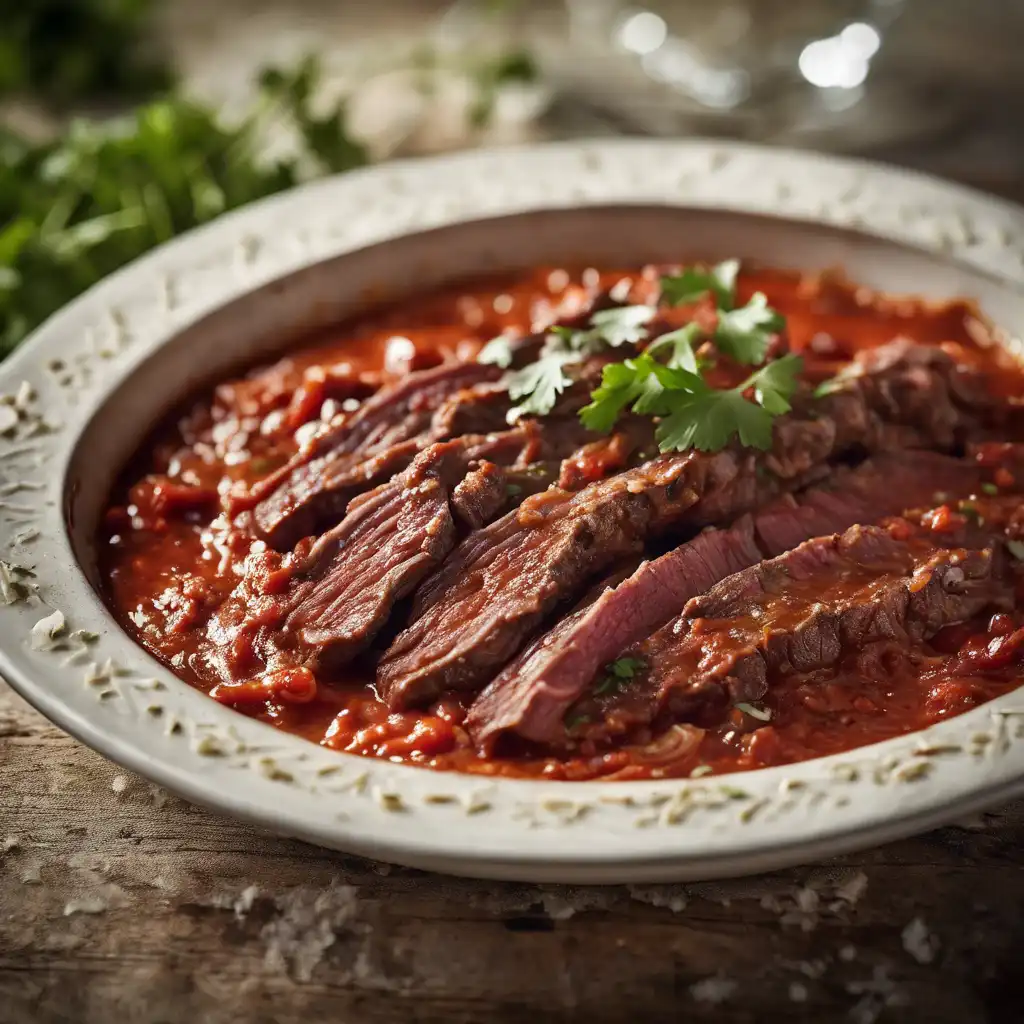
{"x": 121, "y": 902}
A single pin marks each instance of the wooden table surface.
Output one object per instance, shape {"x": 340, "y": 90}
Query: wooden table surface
{"x": 121, "y": 903}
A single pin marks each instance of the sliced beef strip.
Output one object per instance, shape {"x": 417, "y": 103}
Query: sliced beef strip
{"x": 356, "y": 572}
{"x": 405, "y": 527}
{"x": 380, "y": 438}
{"x": 482, "y": 409}
{"x": 494, "y": 590}
{"x": 398, "y": 531}
{"x": 912, "y": 395}
{"x": 532, "y": 693}
{"x": 801, "y": 611}
{"x": 478, "y": 496}
{"x": 498, "y": 587}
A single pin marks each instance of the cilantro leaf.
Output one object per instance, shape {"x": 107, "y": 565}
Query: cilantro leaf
{"x": 710, "y": 420}
{"x": 624, "y": 325}
{"x": 744, "y": 334}
{"x": 680, "y": 346}
{"x": 775, "y": 382}
{"x": 643, "y": 383}
{"x": 693, "y": 283}
{"x": 617, "y": 673}
{"x": 662, "y": 387}
{"x": 621, "y": 385}
{"x": 497, "y": 352}
{"x": 540, "y": 383}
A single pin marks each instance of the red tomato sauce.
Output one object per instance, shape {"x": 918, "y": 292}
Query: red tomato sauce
{"x": 170, "y": 556}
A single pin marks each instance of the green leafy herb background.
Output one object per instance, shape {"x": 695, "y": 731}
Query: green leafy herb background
{"x": 75, "y": 208}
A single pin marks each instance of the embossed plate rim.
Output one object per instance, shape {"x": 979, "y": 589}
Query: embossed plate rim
{"x": 117, "y": 699}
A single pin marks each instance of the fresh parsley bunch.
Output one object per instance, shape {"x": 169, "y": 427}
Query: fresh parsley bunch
{"x": 75, "y": 210}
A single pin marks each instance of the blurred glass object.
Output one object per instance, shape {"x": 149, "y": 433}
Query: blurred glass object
{"x": 811, "y": 72}
{"x": 468, "y": 80}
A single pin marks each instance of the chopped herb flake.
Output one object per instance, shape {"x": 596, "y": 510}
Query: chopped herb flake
{"x": 575, "y": 719}
{"x": 497, "y": 352}
{"x": 735, "y": 793}
{"x": 617, "y": 673}
{"x": 626, "y": 668}
{"x": 990, "y": 488}
{"x": 971, "y": 512}
{"x": 831, "y": 386}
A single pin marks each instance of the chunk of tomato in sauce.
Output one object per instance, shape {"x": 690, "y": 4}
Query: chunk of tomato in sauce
{"x": 282, "y": 686}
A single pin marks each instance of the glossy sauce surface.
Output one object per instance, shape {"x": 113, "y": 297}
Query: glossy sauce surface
{"x": 170, "y": 556}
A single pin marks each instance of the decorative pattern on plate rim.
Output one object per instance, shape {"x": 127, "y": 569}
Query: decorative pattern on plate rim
{"x": 63, "y": 651}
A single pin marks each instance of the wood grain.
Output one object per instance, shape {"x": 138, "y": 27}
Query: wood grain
{"x": 119, "y": 902}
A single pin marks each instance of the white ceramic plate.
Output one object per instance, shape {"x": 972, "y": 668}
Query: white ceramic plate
{"x": 96, "y": 376}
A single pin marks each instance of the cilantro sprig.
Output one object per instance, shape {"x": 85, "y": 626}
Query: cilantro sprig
{"x": 743, "y": 334}
{"x": 670, "y": 366}
{"x": 609, "y": 328}
{"x": 707, "y": 419}
{"x": 640, "y": 384}
{"x": 536, "y": 387}
{"x": 666, "y": 380}
{"x": 692, "y": 413}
